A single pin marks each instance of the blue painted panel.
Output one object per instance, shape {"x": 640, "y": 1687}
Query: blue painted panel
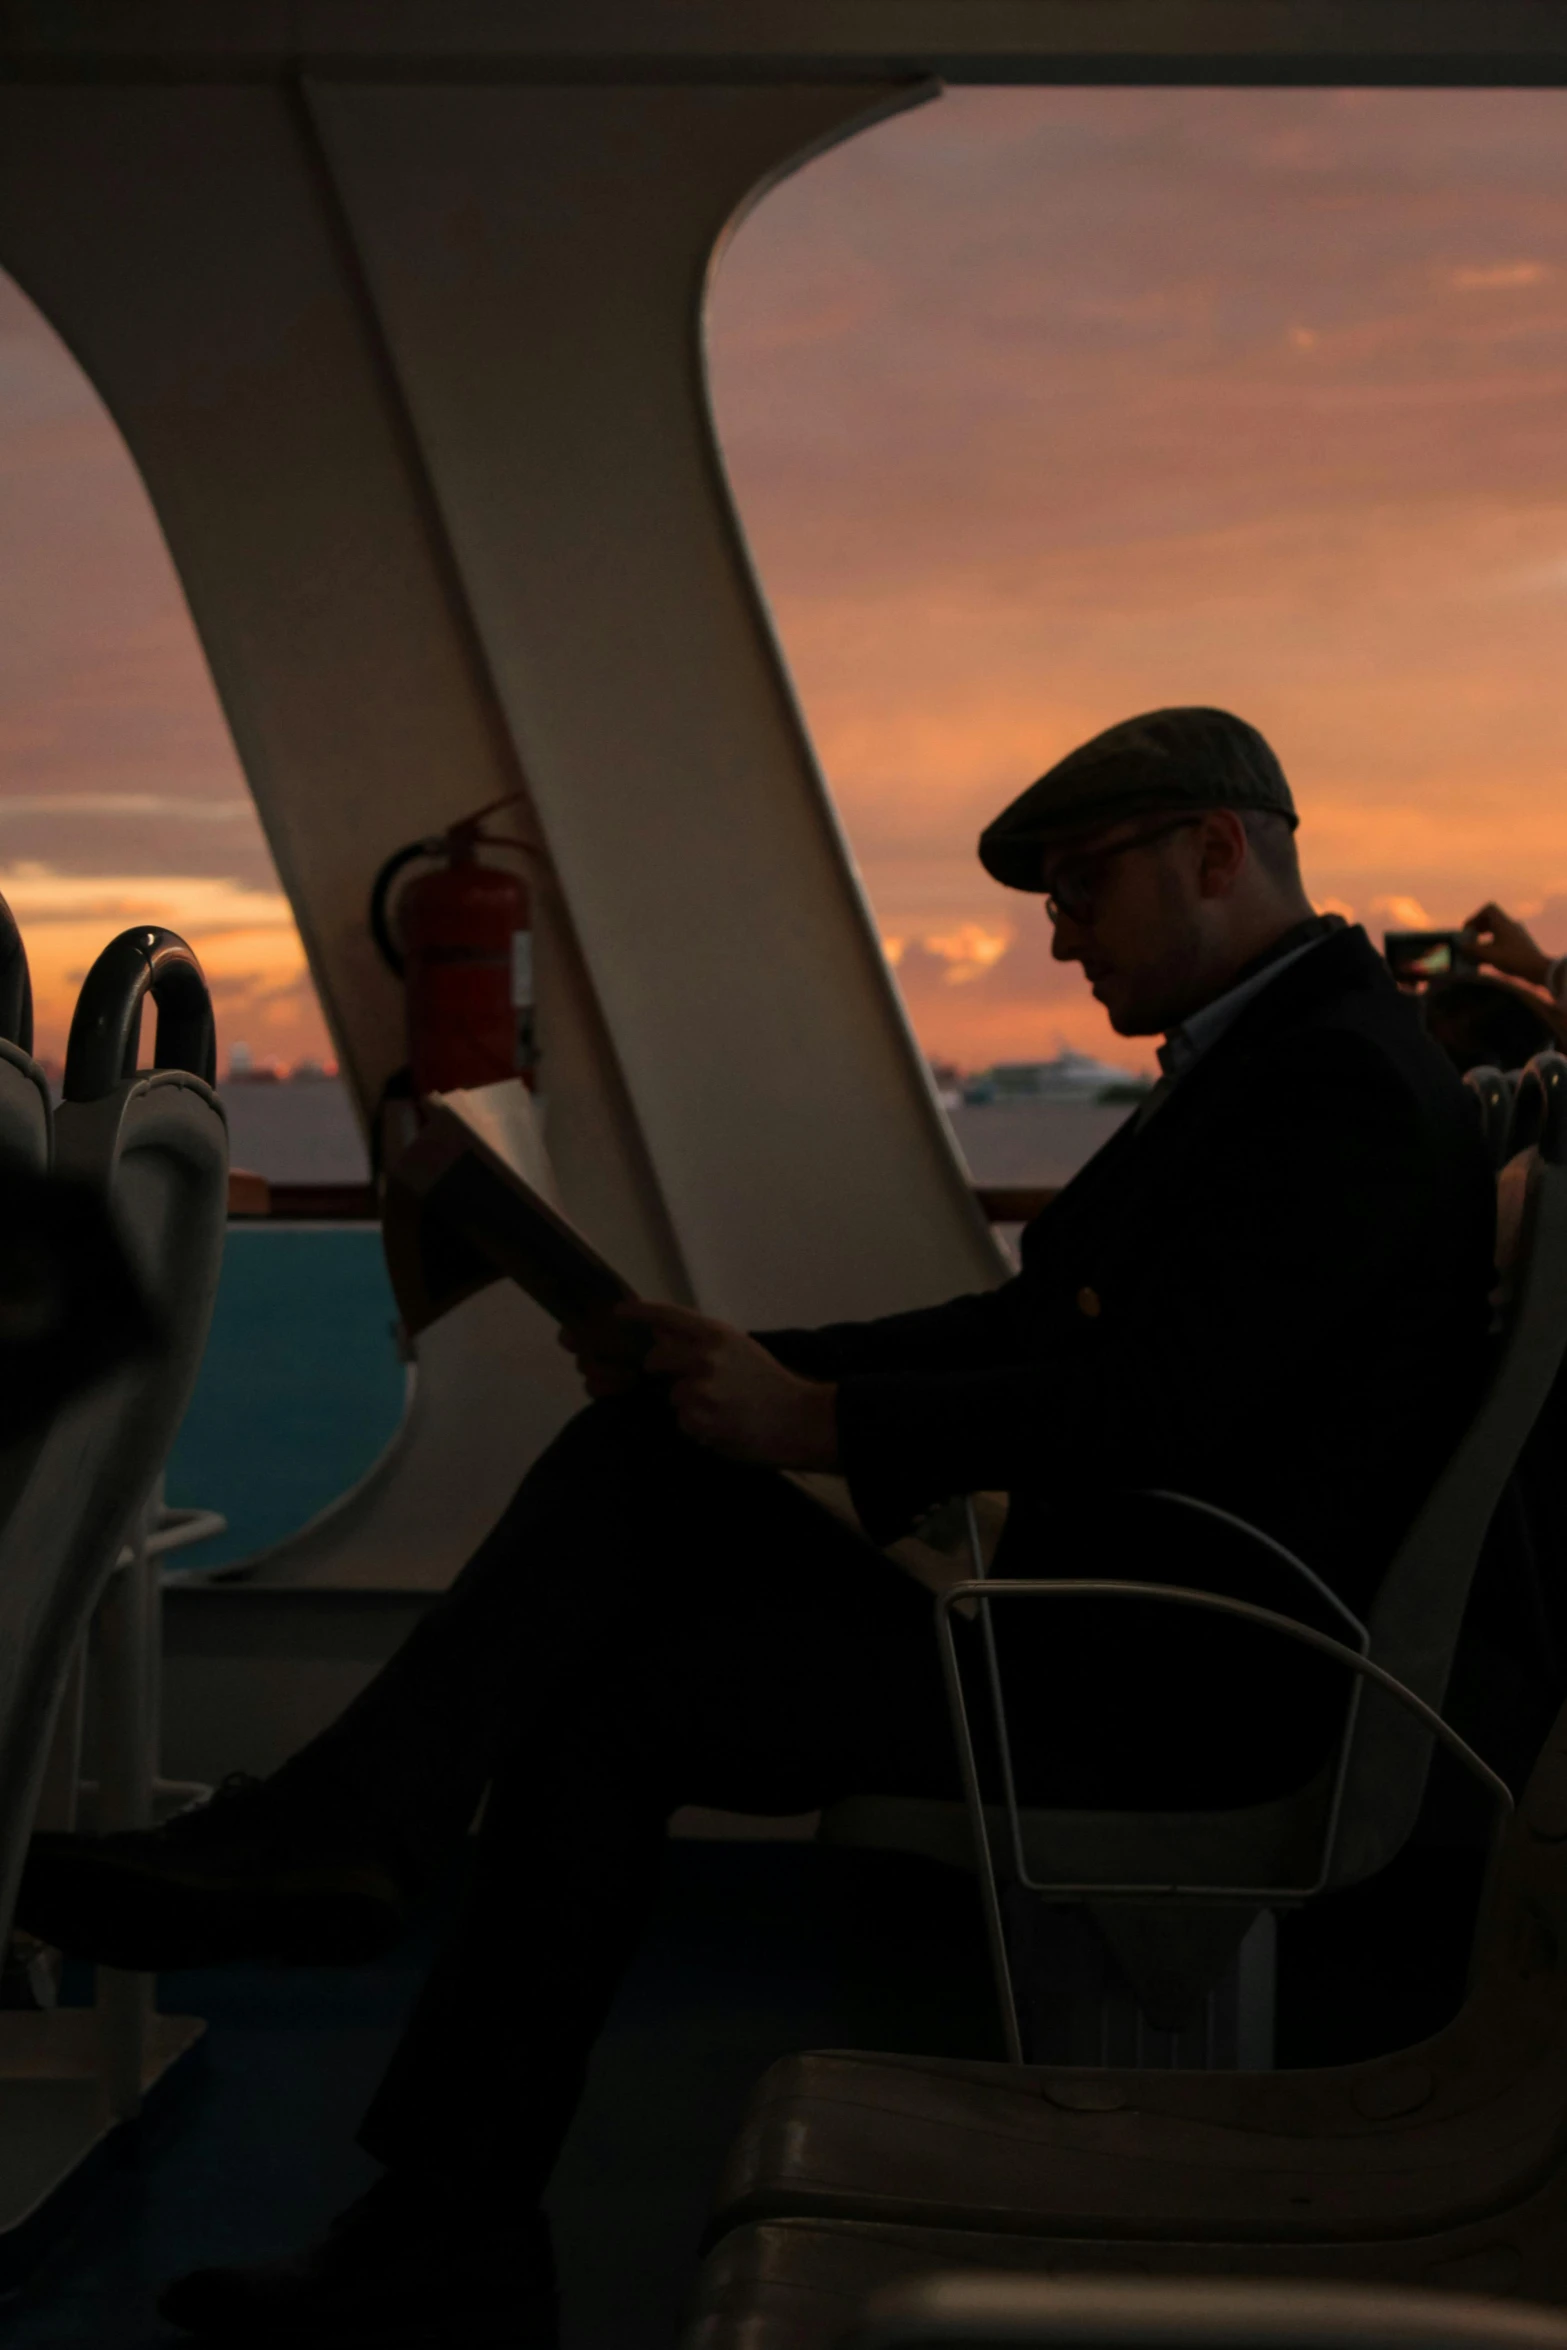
{"x": 301, "y": 1388}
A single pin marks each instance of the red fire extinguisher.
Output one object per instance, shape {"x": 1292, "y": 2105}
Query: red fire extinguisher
{"x": 461, "y": 940}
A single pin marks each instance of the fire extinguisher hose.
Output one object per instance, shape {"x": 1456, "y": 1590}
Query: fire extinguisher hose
{"x": 381, "y": 894}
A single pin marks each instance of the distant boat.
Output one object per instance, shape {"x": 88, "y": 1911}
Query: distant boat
{"x": 1070, "y": 1077}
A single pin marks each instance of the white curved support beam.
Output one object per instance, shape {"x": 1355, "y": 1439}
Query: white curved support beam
{"x": 537, "y": 260}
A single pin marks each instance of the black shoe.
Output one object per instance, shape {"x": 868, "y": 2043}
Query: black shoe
{"x": 391, "y": 2274}
{"x": 224, "y": 1880}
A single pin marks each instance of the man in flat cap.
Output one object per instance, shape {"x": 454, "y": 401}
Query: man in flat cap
{"x": 1268, "y": 1292}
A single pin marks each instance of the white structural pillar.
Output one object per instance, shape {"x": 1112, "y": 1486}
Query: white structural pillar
{"x": 537, "y": 259}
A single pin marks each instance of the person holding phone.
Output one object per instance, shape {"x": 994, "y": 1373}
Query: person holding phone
{"x": 1499, "y": 941}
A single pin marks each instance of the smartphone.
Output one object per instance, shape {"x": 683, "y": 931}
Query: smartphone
{"x": 1415, "y": 957}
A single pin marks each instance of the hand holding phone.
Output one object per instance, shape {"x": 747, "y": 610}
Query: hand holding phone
{"x": 1497, "y": 939}
{"x": 1416, "y": 957}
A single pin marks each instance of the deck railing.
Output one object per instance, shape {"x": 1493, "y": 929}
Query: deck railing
{"x": 256, "y": 1199}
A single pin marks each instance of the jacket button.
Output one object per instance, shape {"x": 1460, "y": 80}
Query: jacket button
{"x": 1088, "y": 1302}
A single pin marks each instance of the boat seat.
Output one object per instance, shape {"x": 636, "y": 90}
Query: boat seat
{"x": 1492, "y": 1091}
{"x": 993, "y": 2311}
{"x": 837, "y": 2284}
{"x": 26, "y": 1127}
{"x": 1441, "y": 2165}
{"x": 1174, "y": 1895}
{"x": 1409, "y": 2144}
{"x": 153, "y": 1146}
{"x": 24, "y": 1090}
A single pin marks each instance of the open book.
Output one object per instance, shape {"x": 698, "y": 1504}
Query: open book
{"x": 472, "y": 1200}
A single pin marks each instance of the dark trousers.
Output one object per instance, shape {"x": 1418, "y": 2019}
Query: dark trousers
{"x": 650, "y": 1626}
{"x": 646, "y": 1627}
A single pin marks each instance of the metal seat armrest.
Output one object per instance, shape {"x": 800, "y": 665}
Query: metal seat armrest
{"x": 1272, "y": 1548}
{"x": 985, "y": 1589}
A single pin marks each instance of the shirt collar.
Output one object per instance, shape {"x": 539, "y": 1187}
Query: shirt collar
{"x": 1202, "y": 1030}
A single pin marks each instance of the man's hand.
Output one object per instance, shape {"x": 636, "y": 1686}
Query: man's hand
{"x": 1502, "y": 942}
{"x": 732, "y": 1395}
{"x": 609, "y": 1354}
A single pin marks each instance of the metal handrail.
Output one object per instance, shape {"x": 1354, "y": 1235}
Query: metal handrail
{"x": 358, "y": 1203}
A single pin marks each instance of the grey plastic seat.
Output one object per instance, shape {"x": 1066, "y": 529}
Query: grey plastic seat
{"x": 807, "y": 2284}
{"x": 1443, "y": 2164}
{"x": 801, "y": 2287}
{"x": 26, "y": 1127}
{"x": 1122, "y": 2313}
{"x": 1406, "y": 2145}
{"x": 1174, "y": 1895}
{"x": 1492, "y": 1092}
{"x": 153, "y": 1145}
{"x": 25, "y": 1131}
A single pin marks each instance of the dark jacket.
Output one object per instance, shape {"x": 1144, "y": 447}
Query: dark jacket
{"x": 1271, "y": 1294}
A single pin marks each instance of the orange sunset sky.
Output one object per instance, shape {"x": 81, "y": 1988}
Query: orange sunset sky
{"x": 1040, "y": 407}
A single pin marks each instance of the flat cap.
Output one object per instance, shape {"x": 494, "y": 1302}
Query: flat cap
{"x": 1164, "y": 759}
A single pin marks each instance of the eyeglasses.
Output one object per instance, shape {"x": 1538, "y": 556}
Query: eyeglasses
{"x": 1075, "y": 890}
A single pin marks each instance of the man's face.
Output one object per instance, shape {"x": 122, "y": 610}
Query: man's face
{"x": 1129, "y": 902}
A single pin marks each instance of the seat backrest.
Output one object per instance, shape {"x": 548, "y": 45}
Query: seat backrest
{"x": 1000, "y": 2309}
{"x": 26, "y": 1130}
{"x": 25, "y": 1125}
{"x": 1420, "y": 1606}
{"x": 1492, "y": 1091}
{"x": 154, "y": 1145}
{"x": 24, "y": 1090}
